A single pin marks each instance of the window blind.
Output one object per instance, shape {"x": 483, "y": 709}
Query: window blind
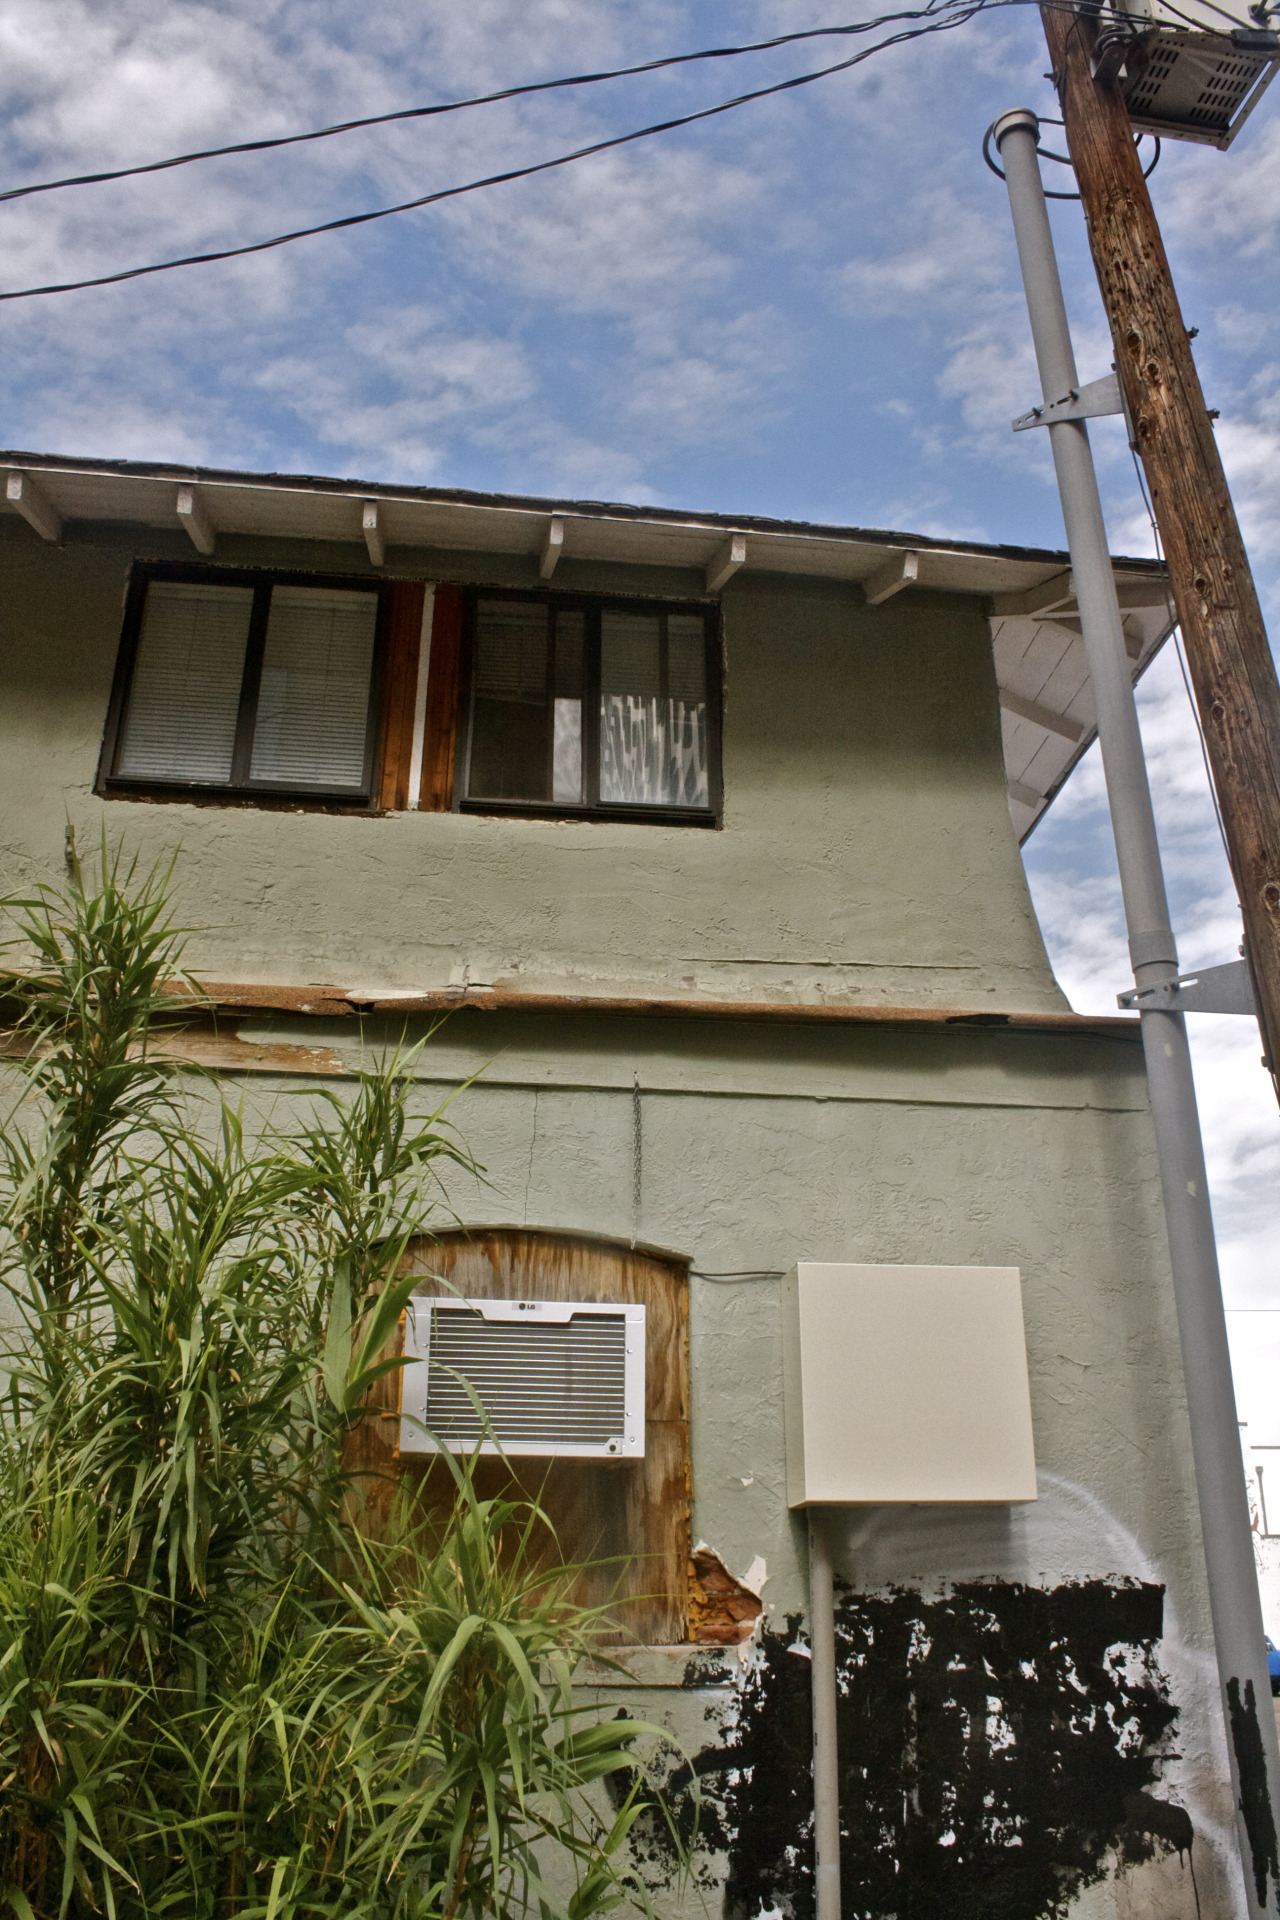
{"x": 185, "y": 691}
{"x": 313, "y": 699}
{"x": 510, "y": 728}
{"x": 653, "y": 709}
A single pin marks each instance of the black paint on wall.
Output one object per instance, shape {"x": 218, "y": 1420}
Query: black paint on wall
{"x": 997, "y": 1746}
{"x": 1255, "y": 1799}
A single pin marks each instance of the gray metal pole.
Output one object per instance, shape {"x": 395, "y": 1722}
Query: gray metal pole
{"x": 826, "y": 1751}
{"x": 1206, "y": 1364}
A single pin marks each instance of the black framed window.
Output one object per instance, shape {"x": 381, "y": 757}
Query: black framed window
{"x": 246, "y": 684}
{"x": 590, "y": 706}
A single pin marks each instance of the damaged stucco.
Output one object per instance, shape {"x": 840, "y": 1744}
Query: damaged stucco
{"x": 867, "y": 851}
{"x": 957, "y": 1146}
{"x": 866, "y": 855}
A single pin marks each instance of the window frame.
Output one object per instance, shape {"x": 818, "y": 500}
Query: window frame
{"x": 261, "y": 579}
{"x": 592, "y": 606}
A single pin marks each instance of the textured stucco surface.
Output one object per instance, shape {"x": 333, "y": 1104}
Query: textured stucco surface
{"x": 866, "y": 854}
{"x": 956, "y": 1147}
{"x": 866, "y": 850}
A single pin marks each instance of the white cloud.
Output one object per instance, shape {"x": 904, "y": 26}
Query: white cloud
{"x": 1250, "y": 451}
{"x": 1072, "y": 870}
{"x": 955, "y": 254}
{"x": 620, "y": 233}
{"x": 390, "y": 392}
{"x": 1228, "y": 204}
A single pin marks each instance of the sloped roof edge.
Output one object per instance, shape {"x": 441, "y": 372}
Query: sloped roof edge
{"x": 546, "y": 504}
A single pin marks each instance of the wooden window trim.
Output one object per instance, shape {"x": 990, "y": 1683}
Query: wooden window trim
{"x": 593, "y": 605}
{"x": 239, "y": 790}
{"x": 633, "y": 1515}
{"x": 406, "y": 600}
{"x": 440, "y": 729}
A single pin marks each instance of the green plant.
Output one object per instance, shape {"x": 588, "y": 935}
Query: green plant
{"x": 218, "y": 1697}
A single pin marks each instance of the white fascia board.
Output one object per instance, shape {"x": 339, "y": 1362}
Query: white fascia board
{"x": 249, "y": 506}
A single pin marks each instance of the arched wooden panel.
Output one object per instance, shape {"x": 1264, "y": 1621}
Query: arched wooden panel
{"x": 632, "y": 1513}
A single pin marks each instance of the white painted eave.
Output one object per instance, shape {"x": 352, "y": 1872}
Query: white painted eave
{"x": 1040, "y": 665}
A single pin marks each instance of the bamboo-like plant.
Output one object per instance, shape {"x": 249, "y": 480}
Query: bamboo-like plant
{"x": 218, "y": 1698}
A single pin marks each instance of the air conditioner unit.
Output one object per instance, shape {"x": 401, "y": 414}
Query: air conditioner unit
{"x": 1194, "y": 71}
{"x": 552, "y": 1378}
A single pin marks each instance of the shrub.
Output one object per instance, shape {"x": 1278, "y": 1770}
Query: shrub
{"x": 218, "y": 1696}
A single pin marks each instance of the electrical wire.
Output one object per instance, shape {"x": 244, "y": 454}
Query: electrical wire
{"x": 936, "y": 22}
{"x": 751, "y": 1273}
{"x": 452, "y": 106}
{"x": 510, "y": 93}
{"x": 937, "y": 16}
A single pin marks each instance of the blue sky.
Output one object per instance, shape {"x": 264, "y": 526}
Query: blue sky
{"x": 806, "y": 308}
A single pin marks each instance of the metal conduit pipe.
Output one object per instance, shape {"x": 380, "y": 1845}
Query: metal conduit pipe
{"x": 1215, "y": 1436}
{"x": 826, "y": 1751}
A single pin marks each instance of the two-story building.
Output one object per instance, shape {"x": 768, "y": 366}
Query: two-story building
{"x": 705, "y": 835}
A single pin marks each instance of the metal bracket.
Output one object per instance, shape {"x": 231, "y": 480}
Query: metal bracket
{"x": 1082, "y": 403}
{"x": 1225, "y": 989}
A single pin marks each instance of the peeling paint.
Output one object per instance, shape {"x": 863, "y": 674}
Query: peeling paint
{"x": 998, "y": 1744}
{"x": 723, "y": 1611}
{"x": 1255, "y": 1800}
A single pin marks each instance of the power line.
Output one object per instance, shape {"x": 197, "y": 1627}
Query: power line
{"x": 936, "y": 22}
{"x": 516, "y": 93}
{"x": 454, "y": 106}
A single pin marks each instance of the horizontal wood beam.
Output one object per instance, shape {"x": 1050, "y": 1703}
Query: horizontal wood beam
{"x": 330, "y": 1002}
{"x": 1049, "y": 595}
{"x": 1047, "y": 717}
{"x": 34, "y": 504}
{"x": 902, "y": 571}
{"x": 374, "y": 538}
{"x": 1057, "y": 598}
{"x": 731, "y": 556}
{"x": 193, "y": 517}
{"x": 552, "y": 548}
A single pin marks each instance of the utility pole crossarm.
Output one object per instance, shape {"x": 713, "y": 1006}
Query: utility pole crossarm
{"x": 1232, "y": 670}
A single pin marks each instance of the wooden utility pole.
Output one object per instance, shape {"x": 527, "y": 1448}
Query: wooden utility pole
{"x": 1232, "y": 670}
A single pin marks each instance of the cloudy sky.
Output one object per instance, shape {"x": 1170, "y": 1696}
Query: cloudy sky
{"x": 808, "y": 307}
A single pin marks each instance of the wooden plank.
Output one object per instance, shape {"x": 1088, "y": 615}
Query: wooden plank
{"x": 442, "y": 700}
{"x": 400, "y": 674}
{"x": 329, "y": 1003}
{"x": 631, "y": 1514}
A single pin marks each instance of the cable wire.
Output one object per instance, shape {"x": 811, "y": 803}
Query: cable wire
{"x": 520, "y": 92}
{"x": 750, "y": 1273}
{"x": 956, "y": 16}
{"x": 450, "y": 106}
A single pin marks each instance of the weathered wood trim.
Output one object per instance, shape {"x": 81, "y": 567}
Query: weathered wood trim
{"x": 399, "y": 684}
{"x": 440, "y": 739}
{"x": 331, "y": 1003}
{"x": 634, "y": 1514}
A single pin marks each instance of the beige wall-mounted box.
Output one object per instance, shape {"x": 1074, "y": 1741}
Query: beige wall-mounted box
{"x": 906, "y": 1383}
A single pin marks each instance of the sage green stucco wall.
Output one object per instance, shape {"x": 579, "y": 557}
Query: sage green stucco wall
{"x": 866, "y": 852}
{"x": 764, "y": 1145}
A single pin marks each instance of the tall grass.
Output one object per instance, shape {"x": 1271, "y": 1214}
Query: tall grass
{"x": 217, "y": 1696}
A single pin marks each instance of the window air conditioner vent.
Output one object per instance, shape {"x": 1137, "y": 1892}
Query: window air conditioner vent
{"x": 551, "y": 1377}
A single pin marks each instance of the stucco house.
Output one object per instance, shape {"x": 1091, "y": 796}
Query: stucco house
{"x": 704, "y": 833}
